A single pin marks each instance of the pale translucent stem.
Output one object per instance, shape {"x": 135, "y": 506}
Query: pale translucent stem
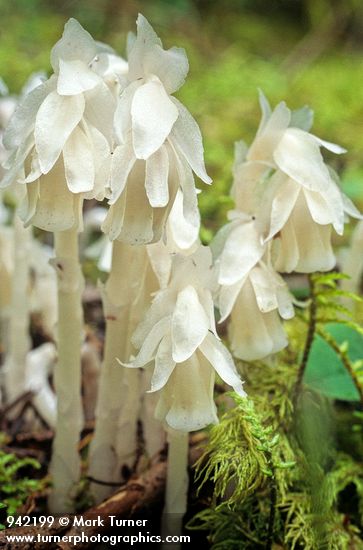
{"x": 176, "y": 486}
{"x": 39, "y": 363}
{"x": 7, "y": 236}
{"x": 91, "y": 369}
{"x": 153, "y": 429}
{"x": 126, "y": 442}
{"x": 18, "y": 331}
{"x": 105, "y": 450}
{"x": 65, "y": 464}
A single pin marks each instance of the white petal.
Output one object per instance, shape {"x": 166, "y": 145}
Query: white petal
{"x": 102, "y": 163}
{"x": 55, "y": 121}
{"x": 18, "y": 161}
{"x": 220, "y": 358}
{"x": 276, "y": 330}
{"x": 350, "y": 208}
{"x": 190, "y": 324}
{"x": 122, "y": 162}
{"x": 265, "y": 111}
{"x": 170, "y": 66}
{"x": 75, "y": 77}
{"x": 206, "y": 300}
{"x": 160, "y": 260}
{"x": 248, "y": 190}
{"x": 287, "y": 249}
{"x": 76, "y": 43}
{"x": 282, "y": 206}
{"x": 240, "y": 153}
{"x": 318, "y": 207}
{"x": 186, "y": 180}
{"x": 218, "y": 241}
{"x": 333, "y": 147}
{"x": 163, "y": 305}
{"x": 183, "y": 234}
{"x": 27, "y": 207}
{"x": 36, "y": 79}
{"x": 99, "y": 110}
{"x": 57, "y": 207}
{"x": 242, "y": 250}
{"x": 298, "y": 155}
{"x": 164, "y": 364}
{"x": 130, "y": 41}
{"x": 114, "y": 220}
{"x": 186, "y": 134}
{"x": 252, "y": 336}
{"x": 314, "y": 241}
{"x": 302, "y": 118}
{"x": 153, "y": 116}
{"x": 35, "y": 171}
{"x": 284, "y": 298}
{"x": 146, "y": 38}
{"x": 78, "y": 162}
{"x": 23, "y": 120}
{"x": 109, "y": 65}
{"x": 138, "y": 221}
{"x": 122, "y": 118}
{"x": 305, "y": 246}
{"x": 227, "y": 298}
{"x": 156, "y": 178}
{"x": 264, "y": 289}
{"x": 151, "y": 343}
{"x": 184, "y": 406}
{"x": 264, "y": 144}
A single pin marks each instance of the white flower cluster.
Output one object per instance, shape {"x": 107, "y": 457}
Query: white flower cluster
{"x": 287, "y": 202}
{"x": 179, "y": 335}
{"x": 103, "y": 128}
{"x": 99, "y": 127}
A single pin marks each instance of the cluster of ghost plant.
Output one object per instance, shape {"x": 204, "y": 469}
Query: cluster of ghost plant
{"x": 104, "y": 129}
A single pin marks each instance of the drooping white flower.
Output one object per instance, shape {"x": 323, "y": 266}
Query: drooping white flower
{"x": 251, "y": 292}
{"x": 159, "y": 144}
{"x": 178, "y": 334}
{"x": 283, "y": 180}
{"x": 60, "y": 136}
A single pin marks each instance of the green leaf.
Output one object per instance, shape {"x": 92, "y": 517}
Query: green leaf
{"x": 325, "y": 371}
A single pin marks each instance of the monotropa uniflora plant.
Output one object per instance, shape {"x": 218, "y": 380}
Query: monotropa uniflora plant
{"x": 106, "y": 129}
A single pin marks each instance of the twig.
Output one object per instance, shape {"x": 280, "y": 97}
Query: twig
{"x": 135, "y": 496}
{"x": 26, "y": 397}
{"x": 308, "y": 342}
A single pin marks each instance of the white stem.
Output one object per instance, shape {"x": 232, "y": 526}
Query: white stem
{"x": 153, "y": 429}
{"x": 65, "y": 464}
{"x": 176, "y": 486}
{"x": 7, "y": 259}
{"x": 106, "y": 455}
{"x": 91, "y": 368}
{"x": 126, "y": 440}
{"x": 19, "y": 341}
{"x": 39, "y": 363}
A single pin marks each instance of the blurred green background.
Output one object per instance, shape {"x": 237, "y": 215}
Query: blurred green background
{"x": 302, "y": 51}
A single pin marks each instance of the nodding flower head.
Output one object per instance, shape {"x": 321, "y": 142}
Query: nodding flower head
{"x": 179, "y": 336}
{"x": 59, "y": 139}
{"x": 159, "y": 144}
{"x": 283, "y": 180}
